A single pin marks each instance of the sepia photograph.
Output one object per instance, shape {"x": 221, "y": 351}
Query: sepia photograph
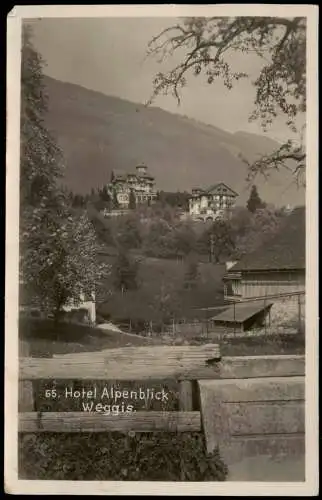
{"x": 162, "y": 175}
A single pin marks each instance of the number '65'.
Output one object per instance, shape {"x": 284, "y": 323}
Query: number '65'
{"x": 50, "y": 393}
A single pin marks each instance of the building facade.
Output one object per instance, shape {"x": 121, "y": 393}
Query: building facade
{"x": 139, "y": 184}
{"x": 274, "y": 274}
{"x": 244, "y": 284}
{"x": 212, "y": 203}
{"x": 277, "y": 267}
{"x": 86, "y": 304}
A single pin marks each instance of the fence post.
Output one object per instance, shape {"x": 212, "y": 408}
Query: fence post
{"x": 25, "y": 387}
{"x": 185, "y": 395}
{"x": 299, "y": 313}
{"x": 26, "y": 396}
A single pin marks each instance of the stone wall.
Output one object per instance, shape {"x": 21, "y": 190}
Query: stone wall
{"x": 288, "y": 313}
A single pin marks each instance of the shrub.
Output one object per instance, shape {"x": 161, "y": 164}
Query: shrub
{"x": 115, "y": 456}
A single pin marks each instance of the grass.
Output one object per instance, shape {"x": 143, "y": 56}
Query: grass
{"x": 42, "y": 338}
{"x": 161, "y": 291}
{"x": 261, "y": 346}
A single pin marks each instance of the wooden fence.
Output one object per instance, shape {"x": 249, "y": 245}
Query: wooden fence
{"x": 181, "y": 363}
{"x": 251, "y": 408}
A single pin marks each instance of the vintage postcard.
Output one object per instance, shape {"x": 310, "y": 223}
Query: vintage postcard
{"x": 161, "y": 318}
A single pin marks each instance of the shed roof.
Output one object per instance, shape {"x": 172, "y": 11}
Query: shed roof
{"x": 240, "y": 312}
{"x": 285, "y": 251}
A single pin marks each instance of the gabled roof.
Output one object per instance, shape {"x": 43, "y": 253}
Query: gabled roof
{"x": 220, "y": 188}
{"x": 285, "y": 251}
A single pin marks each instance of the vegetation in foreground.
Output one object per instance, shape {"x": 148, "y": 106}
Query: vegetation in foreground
{"x": 44, "y": 339}
{"x": 118, "y": 457}
{"x": 127, "y": 457}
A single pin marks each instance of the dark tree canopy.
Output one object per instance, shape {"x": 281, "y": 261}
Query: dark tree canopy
{"x": 254, "y": 201}
{"x": 104, "y": 194}
{"x": 57, "y": 245}
{"x": 175, "y": 199}
{"x": 125, "y": 272}
{"x": 205, "y": 45}
{"x": 218, "y": 241}
{"x": 41, "y": 159}
{"x": 132, "y": 200}
{"x": 115, "y": 203}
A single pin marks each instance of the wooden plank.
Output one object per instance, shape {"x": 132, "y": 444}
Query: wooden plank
{"x": 153, "y": 353}
{"x": 247, "y": 419}
{"x": 262, "y": 366}
{"x": 214, "y": 418}
{"x": 185, "y": 395}
{"x": 253, "y": 415}
{"x": 33, "y": 369}
{"x": 99, "y": 422}
{"x": 117, "y": 364}
{"x": 249, "y": 367}
{"x": 26, "y": 396}
{"x": 256, "y": 389}
{"x": 24, "y": 349}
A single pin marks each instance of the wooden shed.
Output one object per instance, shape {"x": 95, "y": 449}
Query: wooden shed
{"x": 277, "y": 266}
{"x": 243, "y": 316}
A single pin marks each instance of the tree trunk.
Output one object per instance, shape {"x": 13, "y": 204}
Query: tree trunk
{"x": 58, "y": 312}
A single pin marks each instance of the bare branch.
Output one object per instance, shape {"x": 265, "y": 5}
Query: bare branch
{"x": 280, "y": 85}
{"x": 284, "y": 157}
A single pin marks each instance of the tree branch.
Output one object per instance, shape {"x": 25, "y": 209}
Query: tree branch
{"x": 280, "y": 85}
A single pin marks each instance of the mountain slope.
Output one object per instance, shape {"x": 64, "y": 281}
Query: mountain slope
{"x": 99, "y": 133}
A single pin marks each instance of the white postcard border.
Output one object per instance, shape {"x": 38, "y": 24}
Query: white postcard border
{"x": 12, "y": 483}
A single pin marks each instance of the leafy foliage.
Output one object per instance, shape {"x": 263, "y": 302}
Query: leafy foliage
{"x": 57, "y": 246}
{"x": 41, "y": 159}
{"x": 115, "y": 202}
{"x": 104, "y": 194}
{"x": 60, "y": 259}
{"x": 125, "y": 272}
{"x": 217, "y": 241}
{"x": 184, "y": 239}
{"x": 102, "y": 229}
{"x": 127, "y": 233}
{"x": 192, "y": 272}
{"x": 78, "y": 200}
{"x": 115, "y": 456}
{"x": 251, "y": 230}
{"x": 132, "y": 200}
{"x": 205, "y": 44}
{"x": 177, "y": 199}
{"x": 158, "y": 241}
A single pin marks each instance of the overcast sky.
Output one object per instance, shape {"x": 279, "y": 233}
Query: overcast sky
{"x": 108, "y": 55}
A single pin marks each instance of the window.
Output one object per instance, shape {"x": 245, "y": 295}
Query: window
{"x": 236, "y": 287}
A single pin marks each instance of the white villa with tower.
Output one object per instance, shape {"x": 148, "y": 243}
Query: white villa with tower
{"x": 140, "y": 183}
{"x": 211, "y": 203}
